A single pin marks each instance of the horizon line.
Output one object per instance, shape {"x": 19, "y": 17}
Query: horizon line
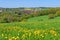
{"x": 26, "y": 7}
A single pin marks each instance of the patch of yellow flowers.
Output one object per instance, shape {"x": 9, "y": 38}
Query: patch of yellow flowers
{"x": 27, "y": 33}
{"x": 37, "y": 32}
{"x": 54, "y": 33}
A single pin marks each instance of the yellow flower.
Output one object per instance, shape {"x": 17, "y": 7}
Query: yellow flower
{"x": 13, "y": 37}
{"x": 23, "y": 36}
{"x": 29, "y": 34}
{"x": 25, "y": 30}
{"x": 2, "y": 35}
{"x": 45, "y": 33}
{"x": 37, "y": 32}
{"x": 18, "y": 33}
{"x": 53, "y": 32}
{"x": 6, "y": 37}
{"x": 17, "y": 37}
{"x": 10, "y": 39}
{"x": 42, "y": 35}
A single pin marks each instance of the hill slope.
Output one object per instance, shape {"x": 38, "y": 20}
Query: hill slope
{"x": 37, "y": 28}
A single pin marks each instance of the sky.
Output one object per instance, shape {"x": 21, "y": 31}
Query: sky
{"x": 29, "y": 3}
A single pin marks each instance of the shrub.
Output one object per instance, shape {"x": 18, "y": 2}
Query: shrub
{"x": 57, "y": 13}
{"x": 51, "y": 16}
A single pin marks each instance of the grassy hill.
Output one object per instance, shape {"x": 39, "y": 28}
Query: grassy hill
{"x": 43, "y": 18}
{"x": 36, "y": 28}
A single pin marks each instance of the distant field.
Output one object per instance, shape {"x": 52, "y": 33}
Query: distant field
{"x": 44, "y": 18}
{"x": 37, "y": 28}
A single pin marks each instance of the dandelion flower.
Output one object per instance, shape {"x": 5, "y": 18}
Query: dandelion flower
{"x": 10, "y": 39}
{"x": 6, "y": 37}
{"x": 13, "y": 37}
{"x": 23, "y": 36}
{"x": 29, "y": 34}
{"x": 17, "y": 37}
{"x": 18, "y": 33}
{"x": 42, "y": 35}
{"x": 55, "y": 34}
{"x": 37, "y": 32}
{"x": 2, "y": 35}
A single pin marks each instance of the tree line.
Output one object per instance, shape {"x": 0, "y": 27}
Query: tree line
{"x": 8, "y": 15}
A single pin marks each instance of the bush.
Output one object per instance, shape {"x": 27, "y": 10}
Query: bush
{"x": 51, "y": 16}
{"x": 57, "y": 13}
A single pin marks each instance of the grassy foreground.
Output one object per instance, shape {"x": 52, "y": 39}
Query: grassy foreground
{"x": 31, "y": 30}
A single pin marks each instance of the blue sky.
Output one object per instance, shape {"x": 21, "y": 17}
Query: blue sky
{"x": 29, "y": 3}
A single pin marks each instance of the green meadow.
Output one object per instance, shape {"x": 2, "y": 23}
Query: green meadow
{"x": 36, "y": 28}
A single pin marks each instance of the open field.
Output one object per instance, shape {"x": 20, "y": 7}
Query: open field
{"x": 37, "y": 28}
{"x": 29, "y": 20}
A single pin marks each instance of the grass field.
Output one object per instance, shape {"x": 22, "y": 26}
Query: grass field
{"x": 37, "y": 28}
